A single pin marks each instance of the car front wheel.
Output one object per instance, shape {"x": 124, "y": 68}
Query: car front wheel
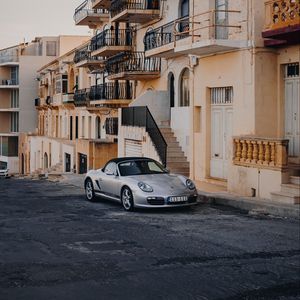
{"x": 127, "y": 199}
{"x": 89, "y": 190}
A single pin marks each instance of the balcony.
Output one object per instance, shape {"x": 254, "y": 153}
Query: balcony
{"x": 96, "y": 4}
{"x": 9, "y": 83}
{"x": 81, "y": 97}
{"x": 134, "y": 11}
{"x": 110, "y": 94}
{"x": 68, "y": 98}
{"x": 133, "y": 66}
{"x": 282, "y": 23}
{"x": 87, "y": 16}
{"x": 262, "y": 153}
{"x": 84, "y": 59}
{"x": 206, "y": 33}
{"x": 159, "y": 42}
{"x": 9, "y": 60}
{"x": 110, "y": 42}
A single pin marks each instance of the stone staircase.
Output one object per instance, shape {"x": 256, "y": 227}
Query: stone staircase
{"x": 176, "y": 160}
{"x": 290, "y": 192}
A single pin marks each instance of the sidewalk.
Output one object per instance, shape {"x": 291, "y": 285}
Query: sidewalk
{"x": 218, "y": 195}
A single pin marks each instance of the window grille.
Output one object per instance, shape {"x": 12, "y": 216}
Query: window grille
{"x": 292, "y": 70}
{"x": 221, "y": 95}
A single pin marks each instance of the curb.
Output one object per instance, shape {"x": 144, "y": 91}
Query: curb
{"x": 252, "y": 205}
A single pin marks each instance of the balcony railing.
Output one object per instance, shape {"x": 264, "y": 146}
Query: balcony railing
{"x": 85, "y": 55}
{"x": 84, "y": 11}
{"x": 81, "y": 97}
{"x": 135, "y": 10}
{"x": 140, "y": 116}
{"x": 111, "y": 91}
{"x": 8, "y": 82}
{"x": 9, "y": 58}
{"x": 132, "y": 62}
{"x": 261, "y": 152}
{"x": 282, "y": 13}
{"x": 160, "y": 36}
{"x": 112, "y": 37}
{"x": 68, "y": 98}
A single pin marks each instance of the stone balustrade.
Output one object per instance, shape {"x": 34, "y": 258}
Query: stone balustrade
{"x": 261, "y": 152}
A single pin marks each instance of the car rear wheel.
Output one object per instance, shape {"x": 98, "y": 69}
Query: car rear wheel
{"x": 89, "y": 190}
{"x": 127, "y": 199}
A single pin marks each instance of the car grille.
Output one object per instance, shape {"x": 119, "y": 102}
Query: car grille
{"x": 192, "y": 199}
{"x": 156, "y": 200}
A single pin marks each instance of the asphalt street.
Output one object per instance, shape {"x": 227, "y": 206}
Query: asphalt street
{"x": 56, "y": 245}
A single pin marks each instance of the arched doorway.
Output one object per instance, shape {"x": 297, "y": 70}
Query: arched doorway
{"x": 184, "y": 85}
{"x": 171, "y": 89}
{"x": 46, "y": 164}
{"x": 98, "y": 128}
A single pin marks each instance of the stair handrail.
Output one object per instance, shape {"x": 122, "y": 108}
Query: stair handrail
{"x": 140, "y": 116}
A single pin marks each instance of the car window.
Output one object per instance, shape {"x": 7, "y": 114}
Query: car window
{"x": 140, "y": 167}
{"x": 111, "y": 168}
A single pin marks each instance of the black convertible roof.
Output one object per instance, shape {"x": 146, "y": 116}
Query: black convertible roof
{"x": 124, "y": 159}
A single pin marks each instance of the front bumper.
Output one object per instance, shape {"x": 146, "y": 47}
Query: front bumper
{"x": 147, "y": 200}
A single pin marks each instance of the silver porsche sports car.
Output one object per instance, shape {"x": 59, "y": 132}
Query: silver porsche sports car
{"x": 139, "y": 182}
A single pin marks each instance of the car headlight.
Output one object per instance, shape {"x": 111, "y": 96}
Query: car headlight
{"x": 145, "y": 187}
{"x": 190, "y": 184}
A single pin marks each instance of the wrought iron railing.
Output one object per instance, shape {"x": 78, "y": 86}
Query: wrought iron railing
{"x": 85, "y": 10}
{"x": 9, "y": 81}
{"x": 112, "y": 37}
{"x": 132, "y": 62}
{"x": 84, "y": 54}
{"x": 81, "y": 97}
{"x": 111, "y": 91}
{"x": 140, "y": 116}
{"x": 160, "y": 36}
{"x": 117, "y": 6}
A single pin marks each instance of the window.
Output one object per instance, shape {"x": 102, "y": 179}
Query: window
{"x": 184, "y": 11}
{"x": 221, "y": 95}
{"x": 50, "y": 48}
{"x": 185, "y": 88}
{"x": 111, "y": 168}
{"x": 111, "y": 126}
{"x": 292, "y": 70}
{"x": 14, "y": 99}
{"x": 14, "y": 122}
{"x": 14, "y": 75}
{"x": 61, "y": 84}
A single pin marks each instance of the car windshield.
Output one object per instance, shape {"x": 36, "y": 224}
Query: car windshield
{"x": 140, "y": 167}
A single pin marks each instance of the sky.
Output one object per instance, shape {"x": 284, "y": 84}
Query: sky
{"x": 27, "y": 19}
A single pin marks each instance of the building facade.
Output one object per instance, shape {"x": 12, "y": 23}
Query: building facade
{"x": 220, "y": 80}
{"x": 18, "y": 88}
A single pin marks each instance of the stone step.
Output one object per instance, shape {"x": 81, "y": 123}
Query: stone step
{"x": 178, "y": 164}
{"x": 178, "y": 159}
{"x": 165, "y": 129}
{"x": 170, "y": 140}
{"x": 175, "y": 153}
{"x": 285, "y": 197}
{"x": 291, "y": 188}
{"x": 295, "y": 179}
{"x": 173, "y": 145}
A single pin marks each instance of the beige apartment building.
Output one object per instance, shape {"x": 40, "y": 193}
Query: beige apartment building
{"x": 215, "y": 87}
{"x": 18, "y": 88}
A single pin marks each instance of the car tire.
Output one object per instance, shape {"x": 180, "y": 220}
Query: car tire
{"x": 89, "y": 190}
{"x": 127, "y": 199}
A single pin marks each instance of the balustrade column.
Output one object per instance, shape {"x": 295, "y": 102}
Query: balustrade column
{"x": 238, "y": 150}
{"x": 267, "y": 157}
{"x": 244, "y": 151}
{"x": 273, "y": 154}
{"x": 255, "y": 151}
{"x": 260, "y": 152}
{"x": 249, "y": 151}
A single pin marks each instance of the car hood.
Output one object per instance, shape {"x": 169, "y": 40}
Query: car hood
{"x": 163, "y": 183}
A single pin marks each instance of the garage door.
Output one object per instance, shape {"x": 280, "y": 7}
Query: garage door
{"x": 133, "y": 148}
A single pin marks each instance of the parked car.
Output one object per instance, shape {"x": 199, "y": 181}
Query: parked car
{"x": 4, "y": 172}
{"x": 139, "y": 182}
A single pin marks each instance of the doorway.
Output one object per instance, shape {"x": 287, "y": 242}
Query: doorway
{"x": 82, "y": 163}
{"x": 67, "y": 162}
{"x": 221, "y": 131}
{"x": 46, "y": 163}
{"x": 292, "y": 108}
